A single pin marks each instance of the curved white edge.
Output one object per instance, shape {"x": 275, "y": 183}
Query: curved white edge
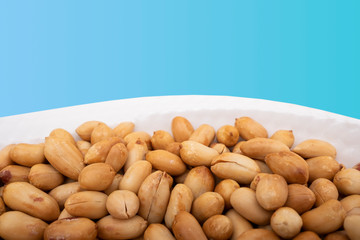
{"x": 153, "y": 113}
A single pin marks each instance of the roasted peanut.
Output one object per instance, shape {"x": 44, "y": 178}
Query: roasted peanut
{"x": 181, "y": 199}
{"x": 156, "y": 231}
{"x": 136, "y": 151}
{"x": 14, "y": 173}
{"x": 324, "y": 219}
{"x": 174, "y": 148}
{"x": 114, "y": 185}
{"x": 181, "y": 129}
{"x": 101, "y": 132}
{"x": 113, "y": 228}
{"x": 219, "y": 147}
{"x": 350, "y": 202}
{"x": 258, "y": 234}
{"x": 225, "y": 188}
{"x": 286, "y": 222}
{"x": 122, "y": 204}
{"x": 123, "y": 129}
{"x": 154, "y": 194}
{"x": 258, "y": 148}
{"x": 206, "y": 205}
{"x": 23, "y": 196}
{"x": 324, "y": 190}
{"x": 284, "y": 136}
{"x": 135, "y": 136}
{"x": 338, "y": 235}
{"x": 78, "y": 204}
{"x": 289, "y": 165}
{"x": 243, "y": 200}
{"x": 264, "y": 168}
{"x": 45, "y": 177}
{"x": 235, "y": 166}
{"x": 218, "y": 227}
{"x": 62, "y": 133}
{"x": 307, "y": 235}
{"x": 347, "y": 181}
{"x": 18, "y": 225}
{"x": 5, "y": 159}
{"x": 64, "y": 157}
{"x": 186, "y": 227}
{"x": 135, "y": 175}
{"x": 166, "y": 161}
{"x": 197, "y": 154}
{"x": 204, "y": 134}
{"x": 83, "y": 146}
{"x": 28, "y": 154}
{"x": 84, "y": 130}
{"x": 71, "y": 228}
{"x": 117, "y": 156}
{"x": 65, "y": 214}
{"x": 351, "y": 226}
{"x": 271, "y": 191}
{"x": 239, "y": 223}
{"x": 322, "y": 167}
{"x": 300, "y": 198}
{"x": 96, "y": 176}
{"x": 249, "y": 128}
{"x": 62, "y": 192}
{"x": 161, "y": 139}
{"x": 227, "y": 135}
{"x": 100, "y": 150}
{"x": 200, "y": 180}
{"x": 315, "y": 148}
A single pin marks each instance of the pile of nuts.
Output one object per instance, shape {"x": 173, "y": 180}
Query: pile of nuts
{"x": 117, "y": 183}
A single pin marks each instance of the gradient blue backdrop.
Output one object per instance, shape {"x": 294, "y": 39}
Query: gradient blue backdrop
{"x": 62, "y": 53}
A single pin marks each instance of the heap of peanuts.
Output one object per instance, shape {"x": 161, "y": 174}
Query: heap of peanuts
{"x": 124, "y": 184}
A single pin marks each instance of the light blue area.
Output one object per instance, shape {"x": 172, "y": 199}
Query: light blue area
{"x": 62, "y": 53}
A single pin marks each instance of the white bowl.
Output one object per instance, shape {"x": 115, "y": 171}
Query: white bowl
{"x": 154, "y": 113}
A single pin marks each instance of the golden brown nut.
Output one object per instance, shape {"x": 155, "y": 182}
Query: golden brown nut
{"x": 200, "y": 180}
{"x": 45, "y": 177}
{"x": 347, "y": 181}
{"x": 258, "y": 234}
{"x": 166, "y": 161}
{"x": 324, "y": 190}
{"x": 18, "y": 225}
{"x": 249, "y": 128}
{"x": 206, "y": 205}
{"x": 258, "y": 148}
{"x": 243, "y": 200}
{"x": 227, "y": 135}
{"x": 324, "y": 219}
{"x": 218, "y": 227}
{"x": 271, "y": 191}
{"x": 78, "y": 204}
{"x": 71, "y": 228}
{"x": 186, "y": 227}
{"x": 322, "y": 167}
{"x": 289, "y": 165}
{"x": 96, "y": 177}
{"x": 286, "y": 222}
{"x": 122, "y": 204}
{"x": 181, "y": 129}
{"x": 235, "y": 166}
{"x": 112, "y": 228}
{"x": 315, "y": 148}
{"x": 225, "y": 188}
{"x": 161, "y": 139}
{"x": 284, "y": 136}
{"x": 300, "y": 198}
{"x": 24, "y": 197}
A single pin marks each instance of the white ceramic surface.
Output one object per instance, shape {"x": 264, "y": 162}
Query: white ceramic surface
{"x": 154, "y": 113}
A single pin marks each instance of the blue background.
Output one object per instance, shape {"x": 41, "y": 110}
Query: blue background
{"x": 62, "y": 53}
